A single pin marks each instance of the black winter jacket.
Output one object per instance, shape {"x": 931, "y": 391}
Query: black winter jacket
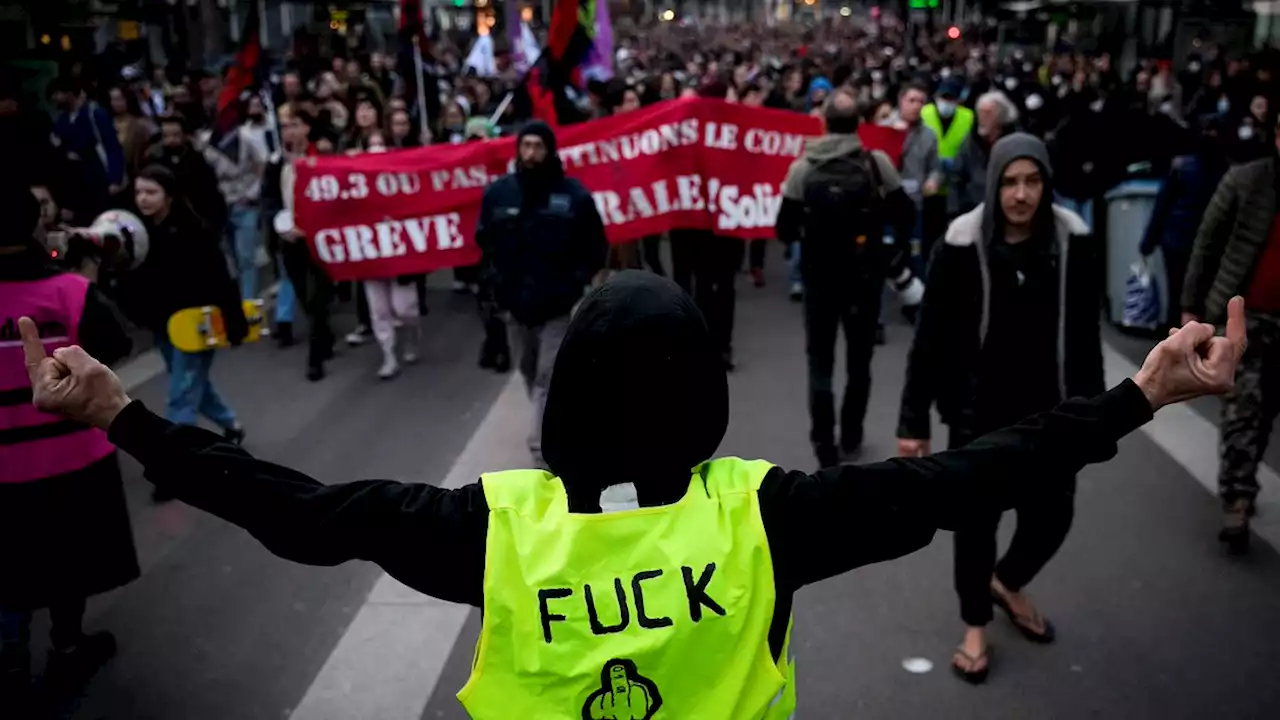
{"x": 943, "y": 365}
{"x": 541, "y": 251}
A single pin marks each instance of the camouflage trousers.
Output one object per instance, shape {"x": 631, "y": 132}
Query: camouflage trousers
{"x": 1250, "y": 409}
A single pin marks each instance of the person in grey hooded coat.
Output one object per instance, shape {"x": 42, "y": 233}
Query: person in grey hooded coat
{"x": 1008, "y": 327}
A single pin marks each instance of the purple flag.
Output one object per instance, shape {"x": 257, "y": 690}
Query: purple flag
{"x": 599, "y": 64}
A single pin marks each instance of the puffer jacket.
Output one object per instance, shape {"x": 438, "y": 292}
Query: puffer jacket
{"x": 1232, "y": 237}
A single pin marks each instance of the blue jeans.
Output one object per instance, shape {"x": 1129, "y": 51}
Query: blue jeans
{"x": 286, "y": 296}
{"x": 191, "y": 390}
{"x": 242, "y": 225}
{"x": 796, "y": 278}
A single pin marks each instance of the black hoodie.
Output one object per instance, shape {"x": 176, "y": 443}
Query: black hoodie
{"x": 651, "y": 433}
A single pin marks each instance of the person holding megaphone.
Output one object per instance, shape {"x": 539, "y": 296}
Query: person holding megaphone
{"x": 682, "y": 606}
{"x": 64, "y": 524}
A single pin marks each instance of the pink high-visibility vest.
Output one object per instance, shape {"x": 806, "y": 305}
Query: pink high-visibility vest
{"x": 36, "y": 445}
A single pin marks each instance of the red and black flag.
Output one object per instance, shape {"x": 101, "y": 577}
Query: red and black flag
{"x": 243, "y": 77}
{"x": 413, "y": 62}
{"x": 569, "y": 40}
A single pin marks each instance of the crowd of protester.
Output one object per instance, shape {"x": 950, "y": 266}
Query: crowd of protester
{"x": 1037, "y": 137}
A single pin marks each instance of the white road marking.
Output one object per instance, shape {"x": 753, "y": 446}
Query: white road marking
{"x": 917, "y": 665}
{"x": 1187, "y": 437}
{"x": 139, "y": 370}
{"x": 387, "y": 664}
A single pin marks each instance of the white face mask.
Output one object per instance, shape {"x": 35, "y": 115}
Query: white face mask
{"x": 1193, "y": 67}
{"x": 1034, "y": 102}
{"x": 945, "y": 72}
{"x": 1057, "y": 80}
{"x": 946, "y": 108}
{"x": 1010, "y": 83}
{"x": 1096, "y": 106}
{"x": 1245, "y": 132}
{"x": 1224, "y": 105}
{"x": 1167, "y": 108}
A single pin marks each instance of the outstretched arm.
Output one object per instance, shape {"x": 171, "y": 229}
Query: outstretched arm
{"x": 830, "y": 522}
{"x": 429, "y": 538}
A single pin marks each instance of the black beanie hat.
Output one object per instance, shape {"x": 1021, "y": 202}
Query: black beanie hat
{"x": 541, "y": 130}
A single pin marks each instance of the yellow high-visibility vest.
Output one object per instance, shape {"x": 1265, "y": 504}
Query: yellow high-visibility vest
{"x": 646, "y": 614}
{"x": 949, "y": 141}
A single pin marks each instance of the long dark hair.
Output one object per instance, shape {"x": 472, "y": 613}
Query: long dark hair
{"x": 131, "y": 104}
{"x": 180, "y": 209}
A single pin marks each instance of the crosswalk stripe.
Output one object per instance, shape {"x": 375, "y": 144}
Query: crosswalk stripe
{"x": 389, "y": 660}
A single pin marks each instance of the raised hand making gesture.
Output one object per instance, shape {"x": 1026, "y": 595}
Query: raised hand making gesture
{"x": 71, "y": 382}
{"x": 1192, "y": 362}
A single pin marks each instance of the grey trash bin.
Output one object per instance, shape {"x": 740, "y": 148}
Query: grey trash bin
{"x": 1129, "y": 208}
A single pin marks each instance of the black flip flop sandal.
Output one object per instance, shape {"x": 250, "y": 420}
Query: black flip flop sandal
{"x": 973, "y": 677}
{"x": 1024, "y": 623}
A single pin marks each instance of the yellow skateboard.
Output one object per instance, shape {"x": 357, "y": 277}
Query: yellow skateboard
{"x": 199, "y": 329}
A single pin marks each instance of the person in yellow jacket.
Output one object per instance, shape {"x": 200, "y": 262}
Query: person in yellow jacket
{"x": 679, "y": 608}
{"x": 951, "y": 122}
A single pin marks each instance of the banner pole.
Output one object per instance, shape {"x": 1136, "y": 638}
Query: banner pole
{"x": 273, "y": 127}
{"x": 502, "y": 107}
{"x": 425, "y": 122}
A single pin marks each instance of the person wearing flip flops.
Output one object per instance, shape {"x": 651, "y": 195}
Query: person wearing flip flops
{"x": 1008, "y": 327}
{"x": 682, "y": 606}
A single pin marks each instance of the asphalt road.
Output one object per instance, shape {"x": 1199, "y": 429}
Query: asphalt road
{"x": 1154, "y": 621}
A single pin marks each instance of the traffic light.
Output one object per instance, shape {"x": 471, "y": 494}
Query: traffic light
{"x": 953, "y": 32}
{"x": 923, "y": 4}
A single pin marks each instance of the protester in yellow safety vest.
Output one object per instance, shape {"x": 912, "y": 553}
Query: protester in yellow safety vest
{"x": 681, "y": 607}
{"x": 949, "y": 120}
{"x": 952, "y": 123}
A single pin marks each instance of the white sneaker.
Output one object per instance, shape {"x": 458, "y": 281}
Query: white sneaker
{"x": 359, "y": 336}
{"x": 797, "y": 291}
{"x": 390, "y": 368}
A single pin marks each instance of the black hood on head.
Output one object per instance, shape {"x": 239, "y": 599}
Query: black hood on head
{"x": 638, "y": 394}
{"x": 543, "y": 131}
{"x": 1007, "y": 149}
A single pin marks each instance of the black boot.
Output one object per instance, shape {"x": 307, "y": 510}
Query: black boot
{"x": 828, "y": 456}
{"x": 284, "y": 334}
{"x": 1235, "y": 526}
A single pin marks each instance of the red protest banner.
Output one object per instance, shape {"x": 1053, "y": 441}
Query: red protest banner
{"x": 681, "y": 164}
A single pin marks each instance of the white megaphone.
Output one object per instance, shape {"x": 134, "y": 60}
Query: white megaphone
{"x": 282, "y": 223}
{"x": 119, "y": 237}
